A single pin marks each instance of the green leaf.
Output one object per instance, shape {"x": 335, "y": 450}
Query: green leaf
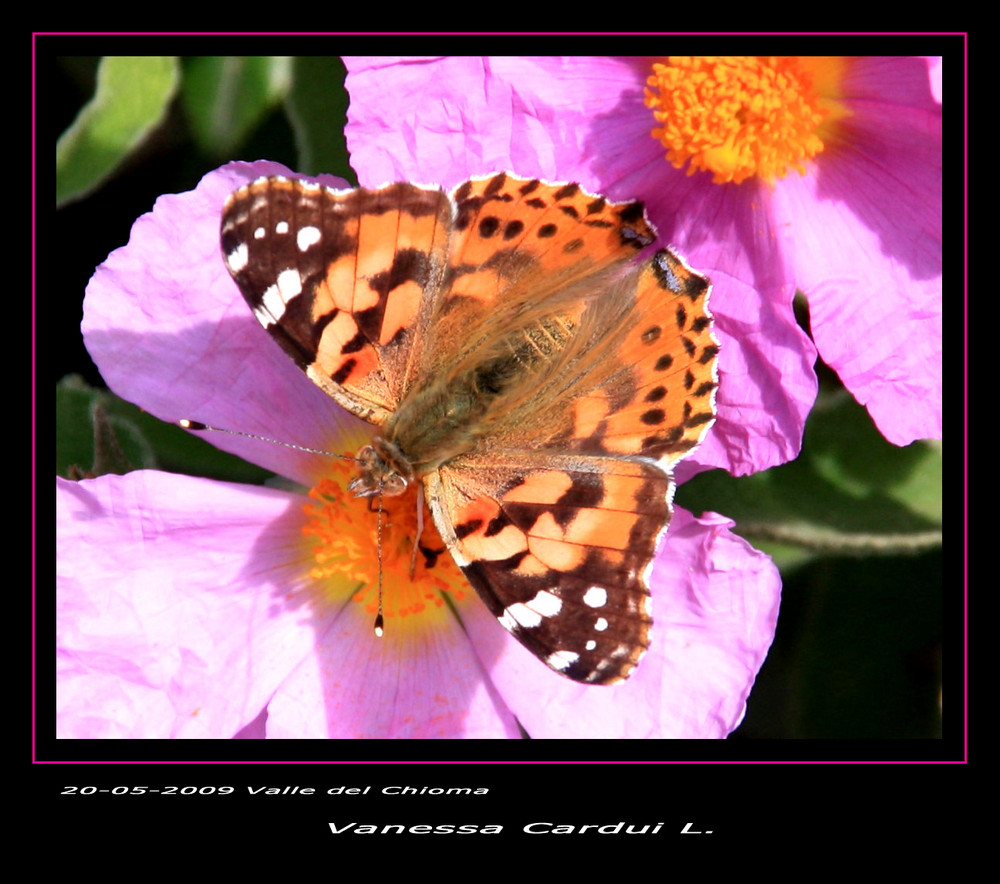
{"x": 98, "y": 433}
{"x": 226, "y": 97}
{"x": 132, "y": 98}
{"x": 317, "y": 109}
{"x": 850, "y": 492}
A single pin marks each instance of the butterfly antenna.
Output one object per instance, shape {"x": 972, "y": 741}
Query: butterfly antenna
{"x": 186, "y": 424}
{"x": 379, "y": 621}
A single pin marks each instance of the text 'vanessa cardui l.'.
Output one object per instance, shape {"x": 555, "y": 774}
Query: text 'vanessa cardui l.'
{"x": 538, "y": 383}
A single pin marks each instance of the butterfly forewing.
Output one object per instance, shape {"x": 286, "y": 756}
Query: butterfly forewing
{"x": 661, "y": 402}
{"x": 340, "y": 279}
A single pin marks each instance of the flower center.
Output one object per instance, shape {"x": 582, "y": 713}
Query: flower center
{"x": 740, "y": 116}
{"x": 347, "y": 539}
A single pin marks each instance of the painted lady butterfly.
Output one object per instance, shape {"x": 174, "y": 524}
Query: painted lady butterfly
{"x": 538, "y": 384}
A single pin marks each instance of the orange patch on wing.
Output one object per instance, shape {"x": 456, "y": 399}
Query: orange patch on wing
{"x": 401, "y": 307}
{"x": 481, "y": 509}
{"x": 623, "y": 492}
{"x": 555, "y": 555}
{"x": 508, "y": 542}
{"x": 589, "y": 527}
{"x": 482, "y": 285}
{"x": 617, "y": 443}
{"x": 588, "y": 412}
{"x": 424, "y": 233}
{"x": 592, "y": 527}
{"x": 330, "y": 355}
{"x": 377, "y": 243}
{"x": 338, "y": 287}
{"x": 542, "y": 486}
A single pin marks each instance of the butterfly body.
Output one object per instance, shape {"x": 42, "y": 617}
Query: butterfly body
{"x": 514, "y": 361}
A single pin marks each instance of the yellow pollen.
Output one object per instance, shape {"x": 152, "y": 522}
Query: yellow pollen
{"x": 346, "y": 535}
{"x": 744, "y": 116}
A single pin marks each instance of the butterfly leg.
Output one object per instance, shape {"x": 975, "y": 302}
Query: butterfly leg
{"x": 420, "y": 530}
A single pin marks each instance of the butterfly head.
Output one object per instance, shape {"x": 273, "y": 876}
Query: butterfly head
{"x": 382, "y": 469}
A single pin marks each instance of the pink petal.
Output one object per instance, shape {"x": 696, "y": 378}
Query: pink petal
{"x": 169, "y": 331}
{"x": 421, "y": 682}
{"x": 864, "y": 229}
{"x": 901, "y": 80}
{"x": 163, "y": 630}
{"x": 445, "y": 119}
{"x": 934, "y": 66}
{"x": 185, "y": 609}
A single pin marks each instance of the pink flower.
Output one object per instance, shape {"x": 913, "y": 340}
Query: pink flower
{"x": 187, "y": 607}
{"x": 859, "y": 232}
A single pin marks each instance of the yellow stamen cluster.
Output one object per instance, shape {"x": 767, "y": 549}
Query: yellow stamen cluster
{"x": 743, "y": 116}
{"x": 346, "y": 532}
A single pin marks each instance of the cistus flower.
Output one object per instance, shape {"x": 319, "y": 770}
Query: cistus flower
{"x": 189, "y": 607}
{"x": 769, "y": 174}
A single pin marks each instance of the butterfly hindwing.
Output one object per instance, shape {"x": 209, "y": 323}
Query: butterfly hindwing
{"x": 558, "y": 548}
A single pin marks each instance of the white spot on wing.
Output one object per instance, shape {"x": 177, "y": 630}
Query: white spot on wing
{"x": 601, "y": 624}
{"x": 522, "y": 615}
{"x": 271, "y": 306}
{"x": 281, "y": 227}
{"x": 596, "y": 597}
{"x": 530, "y": 614}
{"x": 237, "y": 259}
{"x": 562, "y": 659}
{"x": 306, "y": 237}
{"x": 263, "y": 317}
{"x": 289, "y": 284}
{"x": 546, "y": 604}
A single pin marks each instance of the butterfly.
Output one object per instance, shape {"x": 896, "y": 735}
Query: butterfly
{"x": 517, "y": 360}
